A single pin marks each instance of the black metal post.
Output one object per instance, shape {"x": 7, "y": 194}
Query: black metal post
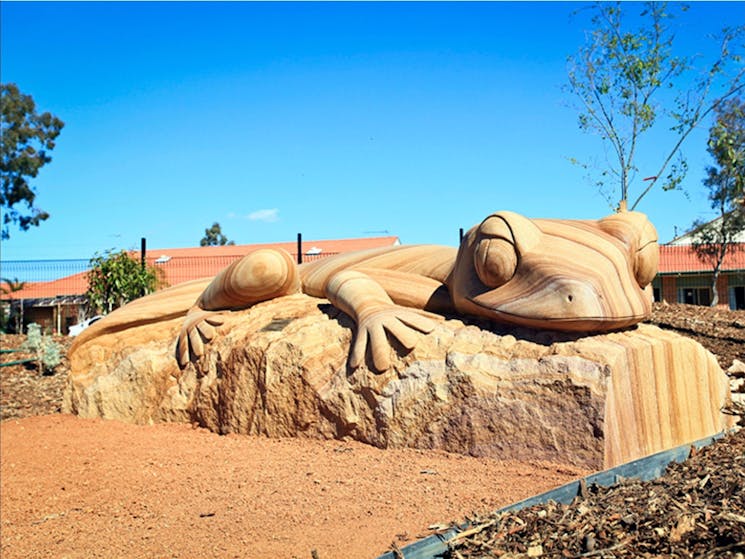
{"x": 460, "y": 235}
{"x": 143, "y": 251}
{"x": 299, "y": 248}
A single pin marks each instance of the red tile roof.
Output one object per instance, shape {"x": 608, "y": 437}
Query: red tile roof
{"x": 76, "y": 284}
{"x": 184, "y": 264}
{"x": 682, "y": 259}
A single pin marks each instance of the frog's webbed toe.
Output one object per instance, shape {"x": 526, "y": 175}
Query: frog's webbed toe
{"x": 376, "y": 326}
{"x": 199, "y": 328}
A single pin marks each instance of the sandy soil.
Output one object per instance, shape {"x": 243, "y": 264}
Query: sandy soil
{"x": 77, "y": 488}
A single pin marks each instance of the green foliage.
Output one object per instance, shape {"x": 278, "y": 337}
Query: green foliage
{"x": 620, "y": 77}
{"x": 116, "y": 278}
{"x": 34, "y": 337}
{"x": 727, "y": 147}
{"x": 10, "y": 287}
{"x": 27, "y": 137}
{"x": 48, "y": 352}
{"x": 214, "y": 237}
{"x": 50, "y": 355}
{"x": 724, "y": 181}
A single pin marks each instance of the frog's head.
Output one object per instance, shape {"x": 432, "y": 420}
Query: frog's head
{"x": 558, "y": 274}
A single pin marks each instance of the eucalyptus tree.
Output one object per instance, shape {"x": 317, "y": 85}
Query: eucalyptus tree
{"x": 628, "y": 79}
{"x": 725, "y": 181}
{"x": 26, "y": 139}
{"x": 213, "y": 236}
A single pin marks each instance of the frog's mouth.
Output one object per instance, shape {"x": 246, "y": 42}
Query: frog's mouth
{"x": 565, "y": 324}
{"x": 561, "y": 304}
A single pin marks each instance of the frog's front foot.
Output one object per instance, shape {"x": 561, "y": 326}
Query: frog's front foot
{"x": 374, "y": 326}
{"x": 199, "y": 328}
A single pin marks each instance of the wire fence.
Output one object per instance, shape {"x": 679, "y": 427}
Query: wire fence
{"x": 179, "y": 269}
{"x": 41, "y": 270}
{"x": 33, "y": 279}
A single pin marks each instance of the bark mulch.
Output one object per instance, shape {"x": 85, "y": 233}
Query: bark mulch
{"x": 24, "y": 390}
{"x": 696, "y": 509}
{"x": 721, "y": 331}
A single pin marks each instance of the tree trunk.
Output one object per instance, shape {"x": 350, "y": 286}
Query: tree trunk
{"x": 714, "y": 290}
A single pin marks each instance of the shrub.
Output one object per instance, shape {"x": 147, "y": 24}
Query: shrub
{"x": 48, "y": 354}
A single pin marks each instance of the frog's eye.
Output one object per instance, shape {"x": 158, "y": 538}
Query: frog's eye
{"x": 645, "y": 263}
{"x": 495, "y": 261}
{"x": 495, "y": 256}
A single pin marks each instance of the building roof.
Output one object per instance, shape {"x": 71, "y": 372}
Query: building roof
{"x": 675, "y": 259}
{"x": 75, "y": 284}
{"x": 689, "y": 237}
{"x": 184, "y": 264}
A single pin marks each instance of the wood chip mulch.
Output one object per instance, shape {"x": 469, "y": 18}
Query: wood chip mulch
{"x": 24, "y": 390}
{"x": 720, "y": 331}
{"x": 696, "y": 510}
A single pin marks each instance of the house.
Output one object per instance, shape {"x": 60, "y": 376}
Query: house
{"x": 690, "y": 236}
{"x": 60, "y": 303}
{"x": 684, "y": 278}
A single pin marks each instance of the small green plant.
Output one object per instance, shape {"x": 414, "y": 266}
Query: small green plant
{"x": 115, "y": 278}
{"x": 48, "y": 354}
{"x": 34, "y": 337}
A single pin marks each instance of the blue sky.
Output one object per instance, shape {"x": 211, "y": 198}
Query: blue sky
{"x": 333, "y": 120}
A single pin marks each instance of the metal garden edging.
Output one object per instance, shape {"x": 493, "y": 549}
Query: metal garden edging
{"x": 647, "y": 468}
{"x": 17, "y": 361}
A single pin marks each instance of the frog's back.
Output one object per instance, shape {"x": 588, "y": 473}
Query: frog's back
{"x": 430, "y": 261}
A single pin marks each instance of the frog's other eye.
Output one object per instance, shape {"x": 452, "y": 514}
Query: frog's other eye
{"x": 495, "y": 260}
{"x": 646, "y": 261}
{"x": 631, "y": 228}
{"x": 640, "y": 237}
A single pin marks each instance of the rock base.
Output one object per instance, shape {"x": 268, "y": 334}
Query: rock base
{"x": 280, "y": 369}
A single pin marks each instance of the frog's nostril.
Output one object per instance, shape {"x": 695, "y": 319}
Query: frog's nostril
{"x": 570, "y": 298}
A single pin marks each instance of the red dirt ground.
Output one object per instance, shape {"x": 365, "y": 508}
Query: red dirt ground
{"x": 78, "y": 488}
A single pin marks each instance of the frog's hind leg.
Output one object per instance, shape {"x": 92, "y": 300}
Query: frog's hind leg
{"x": 259, "y": 276}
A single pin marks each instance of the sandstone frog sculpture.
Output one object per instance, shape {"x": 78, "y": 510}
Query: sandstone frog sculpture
{"x": 569, "y": 275}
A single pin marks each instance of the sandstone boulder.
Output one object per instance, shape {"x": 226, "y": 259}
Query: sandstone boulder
{"x": 280, "y": 369}
{"x": 736, "y": 373}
